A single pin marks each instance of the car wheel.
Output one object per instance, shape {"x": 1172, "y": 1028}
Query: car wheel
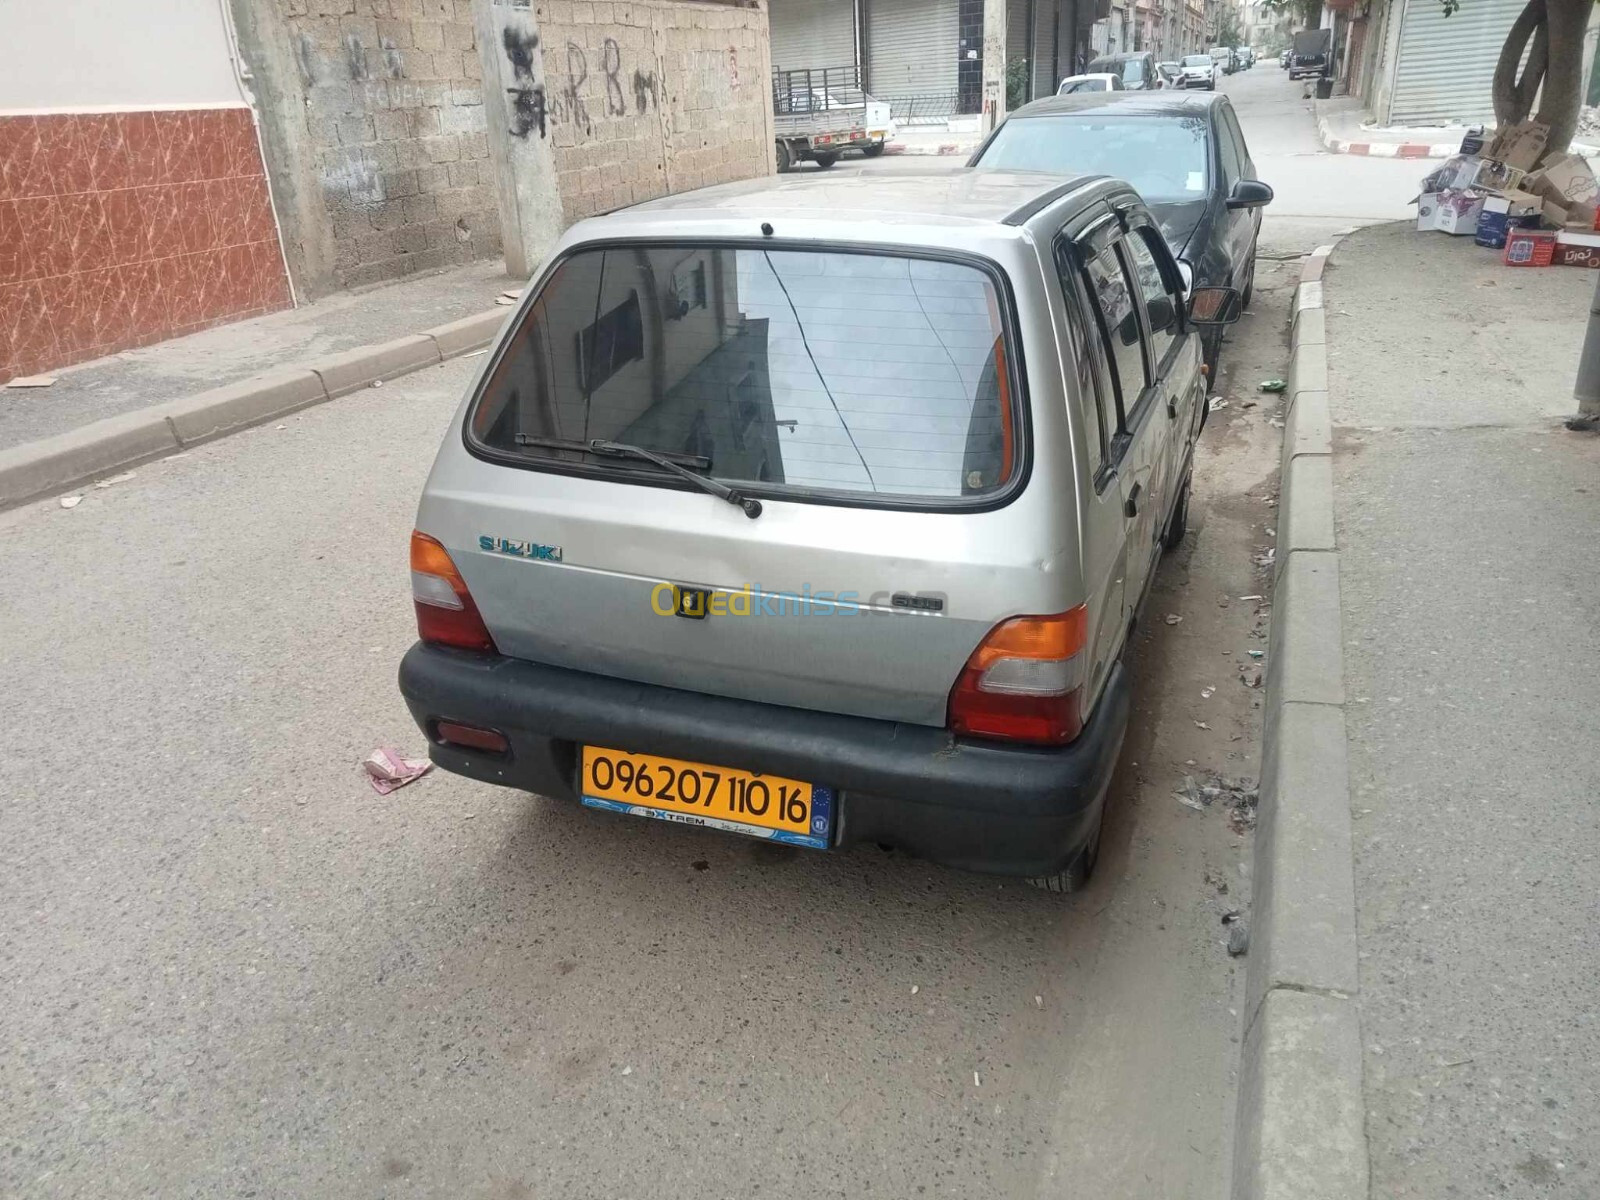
{"x": 825, "y": 160}
{"x": 1249, "y": 283}
{"x": 785, "y": 159}
{"x": 872, "y": 151}
{"x": 1178, "y": 525}
{"x": 1075, "y": 874}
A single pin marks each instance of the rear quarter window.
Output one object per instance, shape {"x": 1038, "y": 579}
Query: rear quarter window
{"x": 872, "y": 376}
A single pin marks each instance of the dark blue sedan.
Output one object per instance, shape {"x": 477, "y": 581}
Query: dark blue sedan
{"x": 1184, "y": 153}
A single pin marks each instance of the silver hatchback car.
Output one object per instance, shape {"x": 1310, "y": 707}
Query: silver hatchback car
{"x": 820, "y": 511}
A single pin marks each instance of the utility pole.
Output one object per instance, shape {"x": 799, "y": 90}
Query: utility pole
{"x": 514, "y": 108}
{"x": 994, "y": 63}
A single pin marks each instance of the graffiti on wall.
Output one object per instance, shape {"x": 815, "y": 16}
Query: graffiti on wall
{"x": 527, "y": 94}
{"x": 595, "y": 84}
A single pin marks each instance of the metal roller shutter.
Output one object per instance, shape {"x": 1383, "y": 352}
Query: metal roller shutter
{"x": 1016, "y": 30}
{"x": 812, "y": 34}
{"x": 1444, "y": 70}
{"x": 1044, "y": 48}
{"x": 913, "y": 46}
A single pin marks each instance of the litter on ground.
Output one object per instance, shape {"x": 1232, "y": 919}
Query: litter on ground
{"x": 389, "y": 769}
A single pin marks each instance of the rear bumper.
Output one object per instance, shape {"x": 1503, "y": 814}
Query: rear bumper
{"x": 981, "y": 806}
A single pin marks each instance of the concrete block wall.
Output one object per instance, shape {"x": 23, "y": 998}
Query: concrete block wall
{"x": 647, "y": 97}
{"x": 373, "y": 118}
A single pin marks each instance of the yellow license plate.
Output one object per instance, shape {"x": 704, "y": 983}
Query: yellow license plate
{"x": 691, "y": 793}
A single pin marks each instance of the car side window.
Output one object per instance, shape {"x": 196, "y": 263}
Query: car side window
{"x": 1087, "y": 367}
{"x": 1112, "y": 294}
{"x": 1242, "y": 152}
{"x": 1232, "y": 164}
{"x": 1160, "y": 306}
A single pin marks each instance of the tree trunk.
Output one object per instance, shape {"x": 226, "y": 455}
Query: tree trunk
{"x": 1565, "y": 21}
{"x": 1514, "y": 95}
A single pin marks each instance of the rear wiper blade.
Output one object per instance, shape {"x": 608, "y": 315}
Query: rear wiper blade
{"x": 674, "y": 464}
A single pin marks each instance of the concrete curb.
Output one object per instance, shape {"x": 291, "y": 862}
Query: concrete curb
{"x": 1340, "y": 145}
{"x": 1302, "y": 1111}
{"x": 52, "y": 464}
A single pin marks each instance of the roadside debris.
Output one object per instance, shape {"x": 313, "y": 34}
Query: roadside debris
{"x": 389, "y": 769}
{"x": 32, "y": 381}
{"x": 1250, "y": 675}
{"x": 1201, "y": 725}
{"x": 123, "y": 478}
{"x": 1238, "y": 939}
{"x": 71, "y": 501}
{"x": 1173, "y": 619}
{"x": 1218, "y": 402}
{"x": 1229, "y": 917}
{"x": 1273, "y": 385}
{"x": 1238, "y": 796}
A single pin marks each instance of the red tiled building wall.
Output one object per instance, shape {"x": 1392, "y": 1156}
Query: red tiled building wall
{"x": 118, "y": 229}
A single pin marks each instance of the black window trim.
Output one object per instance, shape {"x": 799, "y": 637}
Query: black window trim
{"x": 1022, "y": 415}
{"x": 1099, "y": 237}
{"x": 1158, "y": 370}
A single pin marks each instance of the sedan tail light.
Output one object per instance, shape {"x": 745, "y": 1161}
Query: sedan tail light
{"x": 1024, "y": 682}
{"x": 446, "y": 615}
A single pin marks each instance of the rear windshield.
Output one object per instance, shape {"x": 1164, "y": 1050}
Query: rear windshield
{"x": 1197, "y": 60}
{"x": 867, "y": 374}
{"x": 1163, "y": 157}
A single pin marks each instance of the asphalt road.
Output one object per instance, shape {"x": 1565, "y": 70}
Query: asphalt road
{"x": 230, "y": 969}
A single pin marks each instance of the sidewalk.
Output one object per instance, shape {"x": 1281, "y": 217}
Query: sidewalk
{"x": 1466, "y": 518}
{"x": 1345, "y": 127}
{"x": 135, "y": 379}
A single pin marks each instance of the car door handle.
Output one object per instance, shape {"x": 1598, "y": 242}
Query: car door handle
{"x": 1172, "y": 407}
{"x": 1131, "y": 505}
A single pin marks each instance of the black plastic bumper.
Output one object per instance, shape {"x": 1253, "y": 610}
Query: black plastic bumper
{"x": 982, "y": 806}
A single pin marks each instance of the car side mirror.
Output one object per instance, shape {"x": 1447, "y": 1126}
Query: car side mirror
{"x": 1162, "y": 312}
{"x": 1210, "y": 306}
{"x": 1249, "y": 193}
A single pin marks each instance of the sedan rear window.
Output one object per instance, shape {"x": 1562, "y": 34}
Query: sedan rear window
{"x": 824, "y": 371}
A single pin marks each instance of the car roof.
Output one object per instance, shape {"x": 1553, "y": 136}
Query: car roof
{"x": 1158, "y": 104}
{"x": 923, "y": 197}
{"x": 1122, "y": 57}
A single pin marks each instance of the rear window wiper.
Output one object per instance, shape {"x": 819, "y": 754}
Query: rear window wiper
{"x": 673, "y": 464}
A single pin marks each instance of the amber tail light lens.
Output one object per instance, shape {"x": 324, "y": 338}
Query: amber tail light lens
{"x": 1024, "y": 682}
{"x": 446, "y": 615}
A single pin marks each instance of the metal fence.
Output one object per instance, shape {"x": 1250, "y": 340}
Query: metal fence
{"x": 914, "y": 110}
{"x": 798, "y": 92}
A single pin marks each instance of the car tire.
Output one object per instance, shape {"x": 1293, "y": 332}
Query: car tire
{"x": 1212, "y": 86}
{"x": 825, "y": 160}
{"x": 1249, "y": 283}
{"x": 1178, "y": 523}
{"x": 1075, "y": 875}
{"x": 872, "y": 151}
{"x": 785, "y": 159}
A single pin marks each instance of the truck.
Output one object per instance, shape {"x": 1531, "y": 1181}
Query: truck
{"x": 1310, "y": 56}
{"x": 819, "y": 114}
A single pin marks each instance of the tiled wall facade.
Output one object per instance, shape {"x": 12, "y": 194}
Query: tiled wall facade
{"x": 652, "y": 97}
{"x": 119, "y": 229}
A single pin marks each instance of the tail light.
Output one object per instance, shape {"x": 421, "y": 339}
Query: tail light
{"x": 1024, "y": 682}
{"x": 446, "y": 614}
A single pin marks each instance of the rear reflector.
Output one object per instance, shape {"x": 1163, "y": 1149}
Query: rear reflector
{"x": 1024, "y": 681}
{"x": 471, "y": 736}
{"x": 446, "y": 615}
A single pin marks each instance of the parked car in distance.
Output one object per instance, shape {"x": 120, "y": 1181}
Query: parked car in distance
{"x": 1137, "y": 70}
{"x": 1185, "y": 154}
{"x": 1285, "y": 59}
{"x": 768, "y": 515}
{"x": 1310, "y": 56}
{"x": 1072, "y": 85}
{"x": 1199, "y": 71}
{"x": 1171, "y": 73}
{"x": 1245, "y": 56}
{"x": 1224, "y": 59}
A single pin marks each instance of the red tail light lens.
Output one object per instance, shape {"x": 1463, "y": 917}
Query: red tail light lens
{"x": 1024, "y": 682}
{"x": 446, "y": 615}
